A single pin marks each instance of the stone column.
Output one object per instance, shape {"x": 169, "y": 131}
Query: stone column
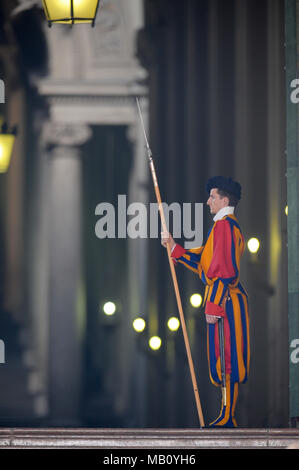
{"x": 242, "y": 155}
{"x": 66, "y": 312}
{"x": 277, "y": 222}
{"x": 292, "y": 46}
{"x": 138, "y": 266}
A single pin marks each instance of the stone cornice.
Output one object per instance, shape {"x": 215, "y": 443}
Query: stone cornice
{"x": 86, "y": 89}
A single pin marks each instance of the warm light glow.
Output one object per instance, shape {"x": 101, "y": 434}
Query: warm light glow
{"x": 109, "y": 308}
{"x": 196, "y": 300}
{"x": 139, "y": 324}
{"x": 253, "y": 245}
{"x": 286, "y": 210}
{"x": 6, "y": 146}
{"x": 70, "y": 11}
{"x": 173, "y": 323}
{"x": 155, "y": 343}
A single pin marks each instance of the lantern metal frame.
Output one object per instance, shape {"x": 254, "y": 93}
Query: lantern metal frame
{"x": 72, "y": 19}
{"x": 4, "y": 129}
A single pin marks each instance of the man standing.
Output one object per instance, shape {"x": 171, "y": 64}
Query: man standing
{"x": 217, "y": 263}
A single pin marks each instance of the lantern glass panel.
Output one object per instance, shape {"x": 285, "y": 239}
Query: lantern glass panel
{"x": 84, "y": 9}
{"x": 6, "y": 146}
{"x": 57, "y": 9}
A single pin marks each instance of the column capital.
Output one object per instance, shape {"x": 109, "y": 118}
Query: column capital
{"x": 65, "y": 134}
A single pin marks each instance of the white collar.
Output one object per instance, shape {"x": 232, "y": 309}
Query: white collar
{"x": 223, "y": 212}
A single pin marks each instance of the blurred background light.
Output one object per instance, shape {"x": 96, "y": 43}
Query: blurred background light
{"x": 196, "y": 300}
{"x": 139, "y": 324}
{"x": 253, "y": 245}
{"x": 155, "y": 343}
{"x": 109, "y": 308}
{"x": 173, "y": 323}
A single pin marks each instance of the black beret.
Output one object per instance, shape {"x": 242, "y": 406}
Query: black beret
{"x": 226, "y": 184}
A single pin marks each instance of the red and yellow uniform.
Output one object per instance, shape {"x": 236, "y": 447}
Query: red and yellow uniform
{"x": 218, "y": 265}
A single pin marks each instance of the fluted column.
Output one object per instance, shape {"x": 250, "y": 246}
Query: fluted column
{"x": 138, "y": 265}
{"x": 66, "y": 312}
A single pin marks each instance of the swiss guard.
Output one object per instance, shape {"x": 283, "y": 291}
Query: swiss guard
{"x": 217, "y": 263}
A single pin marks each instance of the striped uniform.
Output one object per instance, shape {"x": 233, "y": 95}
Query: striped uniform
{"x": 218, "y": 265}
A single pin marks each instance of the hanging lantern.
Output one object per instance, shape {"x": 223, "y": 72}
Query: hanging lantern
{"x": 71, "y": 11}
{"x": 7, "y": 138}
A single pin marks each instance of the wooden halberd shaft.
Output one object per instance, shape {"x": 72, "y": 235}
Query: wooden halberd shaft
{"x": 174, "y": 277}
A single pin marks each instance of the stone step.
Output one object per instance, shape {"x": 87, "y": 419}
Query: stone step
{"x": 59, "y": 438}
